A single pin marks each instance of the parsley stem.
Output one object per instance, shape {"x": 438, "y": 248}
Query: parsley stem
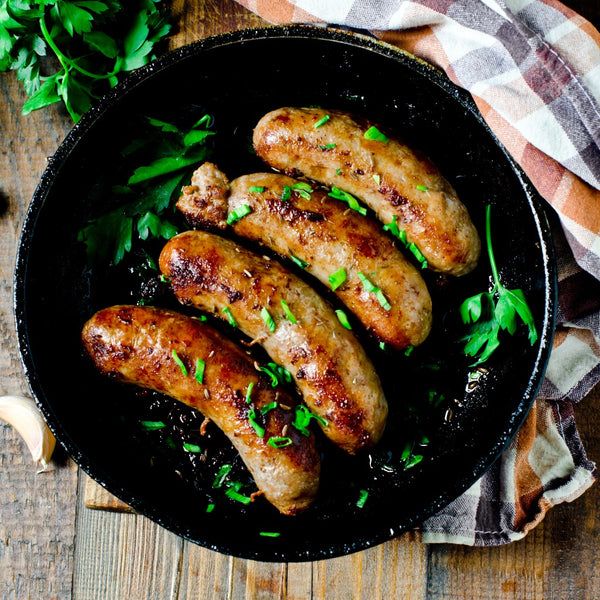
{"x": 488, "y": 238}
{"x": 64, "y": 60}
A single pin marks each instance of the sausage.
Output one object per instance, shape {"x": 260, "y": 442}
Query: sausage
{"x": 136, "y": 345}
{"x": 325, "y": 234}
{"x": 388, "y": 176}
{"x": 331, "y": 369}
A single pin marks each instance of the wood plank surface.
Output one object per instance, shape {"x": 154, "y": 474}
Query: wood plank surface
{"x": 51, "y": 546}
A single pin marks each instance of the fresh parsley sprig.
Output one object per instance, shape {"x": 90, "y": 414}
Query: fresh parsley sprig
{"x": 488, "y": 313}
{"x": 91, "y": 44}
{"x": 149, "y": 188}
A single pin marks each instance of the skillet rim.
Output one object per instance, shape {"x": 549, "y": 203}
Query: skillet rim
{"x": 69, "y": 145}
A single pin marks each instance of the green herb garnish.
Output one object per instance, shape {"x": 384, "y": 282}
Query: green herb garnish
{"x": 271, "y": 534}
{"x": 280, "y": 442}
{"x": 338, "y": 172}
{"x": 375, "y": 135}
{"x": 193, "y": 448}
{"x": 303, "y": 189}
{"x": 258, "y": 428}
{"x": 286, "y": 193}
{"x": 277, "y": 374}
{"x": 199, "y": 373}
{"x": 409, "y": 350}
{"x": 256, "y": 189}
{"x": 83, "y": 47}
{"x": 370, "y": 287}
{"x": 222, "y": 473}
{"x": 249, "y": 392}
{"x": 232, "y": 492}
{"x": 267, "y": 408}
{"x": 153, "y": 425}
{"x": 327, "y": 147}
{"x": 493, "y": 311}
{"x": 362, "y": 498}
{"x": 343, "y": 318}
{"x": 227, "y": 312}
{"x": 302, "y": 418}
{"x": 422, "y": 188}
{"x": 382, "y": 345}
{"x": 337, "y": 279}
{"x": 210, "y": 507}
{"x": 349, "y": 199}
{"x": 238, "y": 213}
{"x": 268, "y": 319}
{"x": 322, "y": 121}
{"x": 179, "y": 363}
{"x": 298, "y": 261}
{"x": 393, "y": 228}
{"x": 288, "y": 313}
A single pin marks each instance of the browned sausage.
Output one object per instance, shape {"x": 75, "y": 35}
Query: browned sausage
{"x": 388, "y": 176}
{"x": 327, "y": 236}
{"x": 136, "y": 345}
{"x": 330, "y": 367}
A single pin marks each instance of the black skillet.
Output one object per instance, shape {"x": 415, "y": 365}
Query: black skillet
{"x": 238, "y": 77}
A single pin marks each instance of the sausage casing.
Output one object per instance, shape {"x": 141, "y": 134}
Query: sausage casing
{"x": 337, "y": 380}
{"x": 136, "y": 345}
{"x": 327, "y": 236}
{"x": 388, "y": 176}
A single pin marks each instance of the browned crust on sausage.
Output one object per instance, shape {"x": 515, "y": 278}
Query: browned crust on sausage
{"x": 135, "y": 345}
{"x": 383, "y": 175}
{"x": 331, "y": 369}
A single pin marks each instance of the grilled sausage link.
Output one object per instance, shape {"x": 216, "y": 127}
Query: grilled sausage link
{"x": 323, "y": 233}
{"x": 330, "y": 367}
{"x": 137, "y": 345}
{"x": 388, "y": 176}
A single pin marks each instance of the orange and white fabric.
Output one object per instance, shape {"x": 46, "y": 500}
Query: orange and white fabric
{"x": 533, "y": 69}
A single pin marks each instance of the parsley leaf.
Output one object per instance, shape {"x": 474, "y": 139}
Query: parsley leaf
{"x": 489, "y": 313}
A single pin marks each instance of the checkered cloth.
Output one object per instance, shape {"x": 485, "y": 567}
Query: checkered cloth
{"x": 533, "y": 68}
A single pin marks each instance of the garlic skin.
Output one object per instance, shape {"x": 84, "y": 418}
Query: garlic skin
{"x": 23, "y": 414}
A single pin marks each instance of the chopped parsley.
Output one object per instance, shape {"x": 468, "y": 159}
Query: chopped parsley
{"x": 280, "y": 442}
{"x": 488, "y": 313}
{"x": 227, "y": 312}
{"x": 199, "y": 374}
{"x": 192, "y": 448}
{"x": 322, "y": 121}
{"x": 288, "y": 313}
{"x": 302, "y": 418}
{"x": 362, "y": 498}
{"x": 343, "y": 318}
{"x": 153, "y": 425}
{"x": 268, "y": 319}
{"x": 256, "y": 189}
{"x": 375, "y": 135}
{"x": 338, "y": 278}
{"x": 349, "y": 199}
{"x": 179, "y": 362}
{"x": 238, "y": 213}
{"x": 298, "y": 261}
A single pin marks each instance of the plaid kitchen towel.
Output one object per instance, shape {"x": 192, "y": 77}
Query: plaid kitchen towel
{"x": 533, "y": 69}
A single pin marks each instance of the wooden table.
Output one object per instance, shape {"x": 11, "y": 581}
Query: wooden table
{"x": 51, "y": 546}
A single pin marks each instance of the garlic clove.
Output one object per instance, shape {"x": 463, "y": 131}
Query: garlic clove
{"x": 23, "y": 414}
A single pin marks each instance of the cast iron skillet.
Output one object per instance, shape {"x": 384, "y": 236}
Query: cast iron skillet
{"x": 238, "y": 77}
